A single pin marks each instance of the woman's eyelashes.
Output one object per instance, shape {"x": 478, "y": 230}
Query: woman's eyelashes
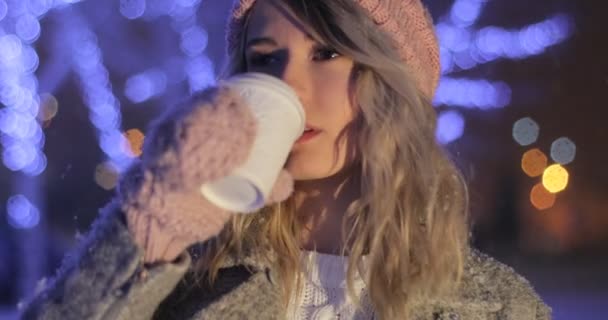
{"x": 320, "y": 54}
{"x": 261, "y": 59}
{"x": 324, "y": 53}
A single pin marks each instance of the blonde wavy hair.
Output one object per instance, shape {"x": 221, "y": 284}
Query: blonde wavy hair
{"x": 411, "y": 218}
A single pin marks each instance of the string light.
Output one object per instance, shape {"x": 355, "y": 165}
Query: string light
{"x": 94, "y": 81}
{"x": 194, "y": 66}
{"x": 464, "y": 46}
{"x": 473, "y": 94}
{"x": 23, "y": 138}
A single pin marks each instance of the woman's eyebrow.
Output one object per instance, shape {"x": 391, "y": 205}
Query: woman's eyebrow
{"x": 261, "y": 41}
{"x": 270, "y": 41}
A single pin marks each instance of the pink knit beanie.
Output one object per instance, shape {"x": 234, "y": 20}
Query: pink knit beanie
{"x": 407, "y": 22}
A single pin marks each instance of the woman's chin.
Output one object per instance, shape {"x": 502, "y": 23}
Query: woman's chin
{"x": 307, "y": 172}
{"x": 306, "y": 175}
{"x": 303, "y": 172}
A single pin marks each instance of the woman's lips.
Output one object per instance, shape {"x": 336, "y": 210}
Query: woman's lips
{"x": 307, "y": 136}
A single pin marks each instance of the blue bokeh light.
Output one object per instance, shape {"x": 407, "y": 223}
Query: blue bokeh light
{"x": 3, "y": 9}
{"x": 21, "y": 213}
{"x": 472, "y": 94}
{"x": 27, "y": 28}
{"x": 187, "y": 3}
{"x": 132, "y": 9}
{"x": 23, "y": 138}
{"x": 466, "y": 12}
{"x": 10, "y": 48}
{"x": 67, "y": 2}
{"x": 450, "y": 126}
{"x": 37, "y": 166}
{"x": 145, "y": 85}
{"x": 526, "y": 131}
{"x": 18, "y": 155}
{"x": 464, "y": 47}
{"x": 94, "y": 81}
{"x": 563, "y": 151}
{"x": 194, "y": 41}
{"x": 467, "y": 49}
{"x": 200, "y": 73}
{"x": 40, "y": 7}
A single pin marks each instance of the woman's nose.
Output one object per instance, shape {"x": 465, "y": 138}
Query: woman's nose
{"x": 295, "y": 76}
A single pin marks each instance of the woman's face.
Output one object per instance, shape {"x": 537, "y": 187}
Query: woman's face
{"x": 278, "y": 45}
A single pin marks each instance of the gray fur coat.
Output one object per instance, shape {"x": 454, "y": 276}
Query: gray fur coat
{"x": 101, "y": 280}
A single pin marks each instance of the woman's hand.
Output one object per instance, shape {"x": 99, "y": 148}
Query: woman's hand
{"x": 196, "y": 142}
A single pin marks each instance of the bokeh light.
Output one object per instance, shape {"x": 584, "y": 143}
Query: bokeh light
{"x": 467, "y": 48}
{"x": 135, "y": 139}
{"x": 200, "y": 73}
{"x": 146, "y": 85}
{"x": 106, "y": 175}
{"x": 450, "y": 126}
{"x": 463, "y": 46}
{"x": 541, "y": 198}
{"x": 40, "y": 7}
{"x": 466, "y": 12}
{"x": 194, "y": 41}
{"x": 132, "y": 9}
{"x": 198, "y": 67}
{"x": 525, "y": 131}
{"x": 27, "y": 28}
{"x": 563, "y": 151}
{"x": 473, "y": 94}
{"x": 555, "y": 178}
{"x": 10, "y": 48}
{"x": 23, "y": 138}
{"x": 103, "y": 105}
{"x": 21, "y": 213}
{"x": 534, "y": 162}
{"x": 3, "y": 9}
{"x": 49, "y": 106}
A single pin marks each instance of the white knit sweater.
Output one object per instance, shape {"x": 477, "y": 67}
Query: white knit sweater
{"x": 323, "y": 294}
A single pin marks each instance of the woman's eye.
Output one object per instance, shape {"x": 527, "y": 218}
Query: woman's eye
{"x": 325, "y": 54}
{"x": 261, "y": 59}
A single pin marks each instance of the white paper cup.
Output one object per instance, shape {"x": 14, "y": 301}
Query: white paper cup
{"x": 281, "y": 121}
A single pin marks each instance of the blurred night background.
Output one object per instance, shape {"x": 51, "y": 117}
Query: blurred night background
{"x": 522, "y": 107}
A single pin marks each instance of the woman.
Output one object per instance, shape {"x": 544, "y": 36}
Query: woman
{"x": 375, "y": 227}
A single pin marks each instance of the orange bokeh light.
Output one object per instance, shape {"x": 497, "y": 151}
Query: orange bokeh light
{"x": 541, "y": 198}
{"x": 135, "y": 139}
{"x": 534, "y": 162}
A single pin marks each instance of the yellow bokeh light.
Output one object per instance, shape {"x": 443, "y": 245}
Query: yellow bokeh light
{"x": 106, "y": 175}
{"x": 541, "y": 198}
{"x": 555, "y": 178}
{"x": 534, "y": 162}
{"x": 135, "y": 141}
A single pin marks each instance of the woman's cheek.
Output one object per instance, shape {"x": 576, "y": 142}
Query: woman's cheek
{"x": 315, "y": 161}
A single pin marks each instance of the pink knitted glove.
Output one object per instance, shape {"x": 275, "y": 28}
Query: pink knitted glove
{"x": 194, "y": 143}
